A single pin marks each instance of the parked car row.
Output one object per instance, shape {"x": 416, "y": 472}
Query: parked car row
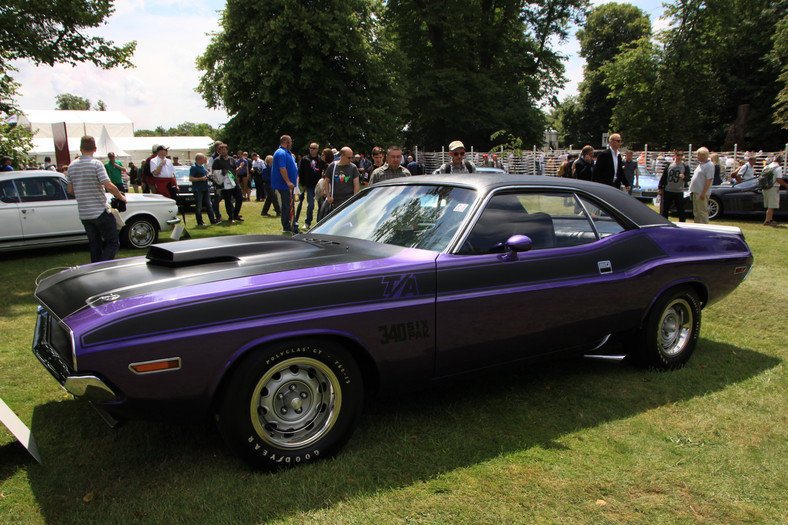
{"x": 37, "y": 211}
{"x": 743, "y": 199}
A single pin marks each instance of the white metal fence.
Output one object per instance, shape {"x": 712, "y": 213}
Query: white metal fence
{"x": 547, "y": 162}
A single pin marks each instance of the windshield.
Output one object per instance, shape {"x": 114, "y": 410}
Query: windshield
{"x": 425, "y": 217}
{"x": 182, "y": 174}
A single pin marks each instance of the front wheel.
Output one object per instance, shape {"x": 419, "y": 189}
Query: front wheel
{"x": 139, "y": 232}
{"x": 715, "y": 208}
{"x": 292, "y": 403}
{"x": 671, "y": 330}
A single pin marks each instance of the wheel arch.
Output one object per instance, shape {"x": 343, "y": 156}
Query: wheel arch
{"x": 696, "y": 285}
{"x": 367, "y": 365}
{"x": 144, "y": 215}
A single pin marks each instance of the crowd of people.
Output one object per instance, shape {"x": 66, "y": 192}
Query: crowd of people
{"x": 610, "y": 167}
{"x": 323, "y": 179}
{"x": 327, "y": 178}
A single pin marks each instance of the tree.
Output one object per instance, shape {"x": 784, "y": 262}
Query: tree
{"x": 608, "y": 31}
{"x": 53, "y": 32}
{"x": 643, "y": 108}
{"x": 187, "y": 129}
{"x": 67, "y": 101}
{"x": 480, "y": 68}
{"x": 779, "y": 58}
{"x": 726, "y": 89}
{"x": 312, "y": 70}
{"x": 100, "y": 106}
{"x": 15, "y": 142}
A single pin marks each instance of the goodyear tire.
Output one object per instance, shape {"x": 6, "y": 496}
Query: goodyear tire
{"x": 291, "y": 403}
{"x": 139, "y": 232}
{"x": 672, "y": 328}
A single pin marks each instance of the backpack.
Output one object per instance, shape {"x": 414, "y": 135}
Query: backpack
{"x": 766, "y": 178}
{"x": 446, "y": 168}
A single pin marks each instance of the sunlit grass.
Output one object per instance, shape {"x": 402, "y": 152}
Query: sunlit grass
{"x": 562, "y": 442}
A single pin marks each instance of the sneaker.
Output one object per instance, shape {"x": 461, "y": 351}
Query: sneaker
{"x": 239, "y": 218}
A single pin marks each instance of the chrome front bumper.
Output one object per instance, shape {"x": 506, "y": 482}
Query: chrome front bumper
{"x": 54, "y": 350}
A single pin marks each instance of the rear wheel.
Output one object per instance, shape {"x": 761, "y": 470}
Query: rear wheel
{"x": 671, "y": 330}
{"x": 139, "y": 232}
{"x": 292, "y": 403}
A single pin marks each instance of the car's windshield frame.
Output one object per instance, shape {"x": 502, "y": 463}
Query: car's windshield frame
{"x": 442, "y": 212}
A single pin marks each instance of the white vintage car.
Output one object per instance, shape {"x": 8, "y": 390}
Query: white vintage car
{"x": 36, "y": 210}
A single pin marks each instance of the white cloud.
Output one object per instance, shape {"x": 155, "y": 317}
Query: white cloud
{"x": 160, "y": 89}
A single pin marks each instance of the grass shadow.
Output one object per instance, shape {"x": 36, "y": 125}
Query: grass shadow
{"x": 184, "y": 473}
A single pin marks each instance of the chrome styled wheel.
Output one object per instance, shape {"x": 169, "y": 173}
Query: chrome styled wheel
{"x": 714, "y": 207}
{"x": 139, "y": 233}
{"x": 675, "y": 328}
{"x": 671, "y": 330}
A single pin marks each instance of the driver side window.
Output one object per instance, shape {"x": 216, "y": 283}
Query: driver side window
{"x": 550, "y": 219}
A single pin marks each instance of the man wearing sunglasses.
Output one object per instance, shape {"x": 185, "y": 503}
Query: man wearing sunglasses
{"x": 458, "y": 164}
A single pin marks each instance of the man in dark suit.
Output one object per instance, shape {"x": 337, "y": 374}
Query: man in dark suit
{"x": 609, "y": 167}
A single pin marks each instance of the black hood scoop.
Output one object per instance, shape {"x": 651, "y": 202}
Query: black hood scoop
{"x": 217, "y": 249}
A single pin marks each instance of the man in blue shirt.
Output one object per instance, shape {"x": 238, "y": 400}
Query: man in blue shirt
{"x": 284, "y": 177}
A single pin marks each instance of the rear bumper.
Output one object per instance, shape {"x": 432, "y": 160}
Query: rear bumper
{"x": 53, "y": 347}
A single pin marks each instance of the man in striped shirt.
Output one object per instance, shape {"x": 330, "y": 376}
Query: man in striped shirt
{"x": 87, "y": 181}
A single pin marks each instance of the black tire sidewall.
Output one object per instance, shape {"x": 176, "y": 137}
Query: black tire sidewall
{"x": 233, "y": 410}
{"x": 654, "y": 357}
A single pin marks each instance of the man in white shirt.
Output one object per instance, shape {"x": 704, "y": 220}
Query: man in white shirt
{"x": 163, "y": 172}
{"x": 700, "y": 185}
{"x": 771, "y": 196}
{"x": 747, "y": 171}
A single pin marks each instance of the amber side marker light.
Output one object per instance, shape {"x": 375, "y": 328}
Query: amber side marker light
{"x": 160, "y": 365}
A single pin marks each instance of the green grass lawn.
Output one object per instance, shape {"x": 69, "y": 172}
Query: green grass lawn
{"x": 571, "y": 441}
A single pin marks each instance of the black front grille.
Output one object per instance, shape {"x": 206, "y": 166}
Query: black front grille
{"x": 52, "y": 346}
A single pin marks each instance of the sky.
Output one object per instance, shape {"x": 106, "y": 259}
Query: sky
{"x": 170, "y": 35}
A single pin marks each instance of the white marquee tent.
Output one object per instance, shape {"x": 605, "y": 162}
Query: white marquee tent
{"x": 114, "y": 132}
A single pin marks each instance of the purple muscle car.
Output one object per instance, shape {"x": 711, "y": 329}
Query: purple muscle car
{"x": 413, "y": 280}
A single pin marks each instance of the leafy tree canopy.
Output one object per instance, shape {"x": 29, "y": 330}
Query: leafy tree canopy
{"x": 609, "y": 30}
{"x": 481, "y": 68}
{"x": 49, "y": 32}
{"x": 362, "y": 73}
{"x": 309, "y": 69}
{"x": 711, "y": 78}
{"x": 187, "y": 129}
{"x": 67, "y": 101}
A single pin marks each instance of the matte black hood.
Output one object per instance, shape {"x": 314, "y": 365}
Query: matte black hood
{"x": 198, "y": 261}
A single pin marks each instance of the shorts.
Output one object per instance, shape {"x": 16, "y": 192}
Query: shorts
{"x": 771, "y": 197}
